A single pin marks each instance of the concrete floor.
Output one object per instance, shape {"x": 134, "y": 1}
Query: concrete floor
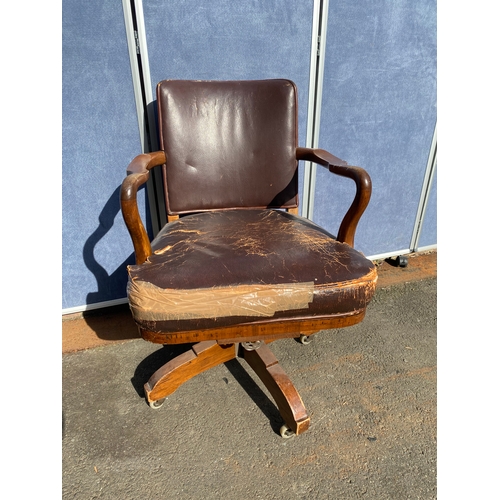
{"x": 370, "y": 391}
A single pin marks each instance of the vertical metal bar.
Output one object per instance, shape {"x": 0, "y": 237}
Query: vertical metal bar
{"x": 134, "y": 68}
{"x": 318, "y": 47}
{"x": 139, "y": 64}
{"x": 143, "y": 61}
{"x": 308, "y": 166}
{"x": 155, "y": 186}
{"x": 424, "y": 195}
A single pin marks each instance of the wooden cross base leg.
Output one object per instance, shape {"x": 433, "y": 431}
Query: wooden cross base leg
{"x": 284, "y": 393}
{"x": 207, "y": 354}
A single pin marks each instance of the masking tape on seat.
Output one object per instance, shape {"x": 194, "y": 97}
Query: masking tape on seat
{"x": 151, "y": 303}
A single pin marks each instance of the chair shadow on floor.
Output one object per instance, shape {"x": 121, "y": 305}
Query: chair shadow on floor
{"x": 163, "y": 355}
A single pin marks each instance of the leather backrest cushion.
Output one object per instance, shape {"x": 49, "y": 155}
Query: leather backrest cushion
{"x": 229, "y": 144}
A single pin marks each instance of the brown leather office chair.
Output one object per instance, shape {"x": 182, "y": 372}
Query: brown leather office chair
{"x": 236, "y": 267}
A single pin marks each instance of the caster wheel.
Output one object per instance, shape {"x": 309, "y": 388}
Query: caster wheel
{"x": 306, "y": 339}
{"x": 402, "y": 261}
{"x": 286, "y": 432}
{"x": 252, "y": 346}
{"x": 156, "y": 404}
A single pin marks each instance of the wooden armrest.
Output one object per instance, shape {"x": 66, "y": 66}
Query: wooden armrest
{"x": 363, "y": 182}
{"x": 137, "y": 175}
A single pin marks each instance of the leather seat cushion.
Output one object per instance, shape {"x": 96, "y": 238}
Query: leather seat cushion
{"x": 223, "y": 268}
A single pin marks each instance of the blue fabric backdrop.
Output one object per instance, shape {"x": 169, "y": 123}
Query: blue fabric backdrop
{"x": 379, "y": 112}
{"x": 100, "y": 136}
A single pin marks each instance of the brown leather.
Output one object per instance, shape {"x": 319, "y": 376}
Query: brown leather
{"x": 228, "y": 144}
{"x": 239, "y": 270}
{"x": 258, "y": 248}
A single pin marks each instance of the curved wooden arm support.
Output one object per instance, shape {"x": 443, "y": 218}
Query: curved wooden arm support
{"x": 363, "y": 182}
{"x": 138, "y": 174}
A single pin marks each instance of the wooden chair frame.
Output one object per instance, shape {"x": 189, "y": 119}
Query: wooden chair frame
{"x": 247, "y": 341}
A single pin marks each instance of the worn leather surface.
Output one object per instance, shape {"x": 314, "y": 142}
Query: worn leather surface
{"x": 230, "y": 248}
{"x": 228, "y": 144}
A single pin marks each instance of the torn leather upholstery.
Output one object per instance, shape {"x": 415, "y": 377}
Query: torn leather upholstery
{"x": 268, "y": 265}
